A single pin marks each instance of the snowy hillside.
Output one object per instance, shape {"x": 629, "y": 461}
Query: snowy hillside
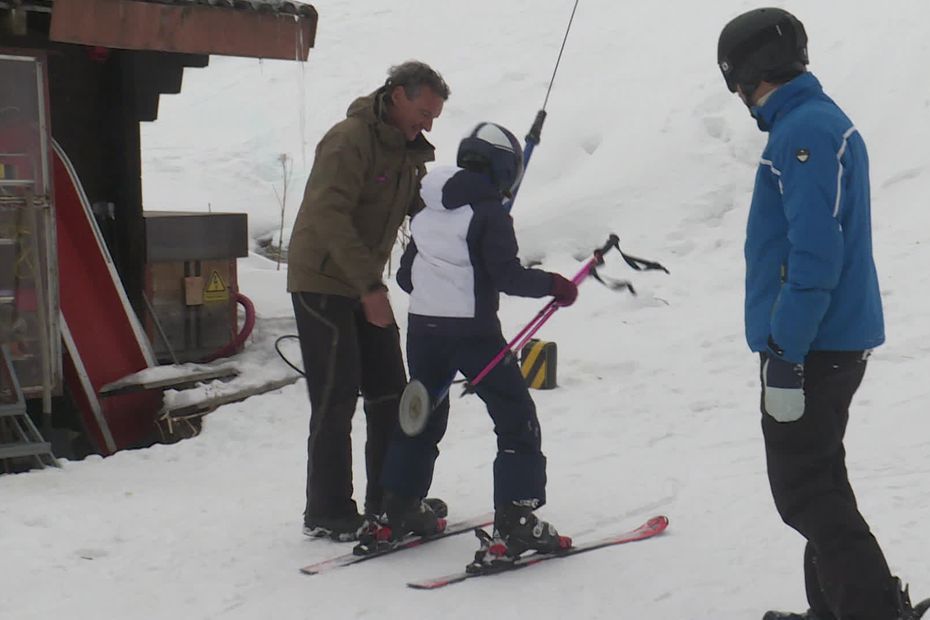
{"x": 657, "y": 410}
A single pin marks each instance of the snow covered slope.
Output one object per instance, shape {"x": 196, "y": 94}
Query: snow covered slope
{"x": 658, "y": 406}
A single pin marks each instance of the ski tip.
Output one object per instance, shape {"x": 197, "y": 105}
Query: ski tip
{"x": 421, "y": 586}
{"x": 656, "y": 524}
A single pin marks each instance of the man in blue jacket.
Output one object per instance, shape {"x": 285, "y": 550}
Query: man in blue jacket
{"x": 462, "y": 255}
{"x": 813, "y": 310}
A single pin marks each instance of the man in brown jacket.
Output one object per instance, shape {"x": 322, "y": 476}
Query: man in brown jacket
{"x": 365, "y": 180}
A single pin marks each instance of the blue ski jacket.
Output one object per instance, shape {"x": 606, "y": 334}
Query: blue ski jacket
{"x": 811, "y": 282}
{"x": 462, "y": 255}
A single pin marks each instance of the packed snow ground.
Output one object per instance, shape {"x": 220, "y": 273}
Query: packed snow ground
{"x": 657, "y": 406}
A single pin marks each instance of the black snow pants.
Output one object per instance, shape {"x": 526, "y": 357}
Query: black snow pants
{"x": 845, "y": 571}
{"x": 343, "y": 353}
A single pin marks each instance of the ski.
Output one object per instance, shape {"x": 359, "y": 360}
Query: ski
{"x": 652, "y": 527}
{"x": 409, "y": 542}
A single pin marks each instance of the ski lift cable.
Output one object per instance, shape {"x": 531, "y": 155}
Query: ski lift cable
{"x": 534, "y": 135}
{"x": 559, "y": 59}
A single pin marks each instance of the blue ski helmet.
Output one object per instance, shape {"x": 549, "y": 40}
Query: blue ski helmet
{"x": 491, "y": 149}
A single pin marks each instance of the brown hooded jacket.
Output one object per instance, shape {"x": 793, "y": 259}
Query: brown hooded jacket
{"x": 365, "y": 179}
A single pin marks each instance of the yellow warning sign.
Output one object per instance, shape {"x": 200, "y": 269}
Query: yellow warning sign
{"x": 538, "y": 364}
{"x": 2, "y": 171}
{"x": 216, "y": 289}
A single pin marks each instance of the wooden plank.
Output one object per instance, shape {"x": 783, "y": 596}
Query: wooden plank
{"x": 206, "y": 406}
{"x": 191, "y": 29}
{"x": 133, "y": 384}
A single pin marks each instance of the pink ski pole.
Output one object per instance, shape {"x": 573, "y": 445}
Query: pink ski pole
{"x": 543, "y": 315}
{"x": 417, "y": 404}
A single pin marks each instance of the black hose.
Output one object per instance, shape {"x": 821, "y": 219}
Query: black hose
{"x": 277, "y": 348}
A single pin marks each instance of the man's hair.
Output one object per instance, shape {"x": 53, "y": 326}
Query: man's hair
{"x": 413, "y": 75}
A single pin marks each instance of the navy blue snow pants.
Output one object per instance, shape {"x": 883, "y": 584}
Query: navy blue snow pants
{"x": 520, "y": 466}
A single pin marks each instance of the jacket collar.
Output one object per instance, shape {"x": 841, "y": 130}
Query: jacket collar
{"x": 370, "y": 108}
{"x": 467, "y": 187}
{"x": 786, "y": 98}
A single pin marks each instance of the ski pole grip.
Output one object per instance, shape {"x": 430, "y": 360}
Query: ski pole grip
{"x": 536, "y": 130}
{"x": 612, "y": 242}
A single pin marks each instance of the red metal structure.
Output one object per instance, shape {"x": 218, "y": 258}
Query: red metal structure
{"x": 104, "y": 340}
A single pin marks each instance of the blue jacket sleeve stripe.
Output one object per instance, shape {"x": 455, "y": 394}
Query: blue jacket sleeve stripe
{"x": 776, "y": 172}
{"x": 839, "y": 172}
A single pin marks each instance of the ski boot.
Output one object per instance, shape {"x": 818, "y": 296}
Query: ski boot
{"x": 439, "y": 507}
{"x": 920, "y": 609}
{"x": 516, "y": 530}
{"x": 340, "y": 529}
{"x": 379, "y": 518}
{"x": 403, "y": 517}
{"x": 414, "y": 516}
{"x": 903, "y": 602}
{"x": 521, "y": 531}
{"x": 787, "y": 615}
{"x": 492, "y": 555}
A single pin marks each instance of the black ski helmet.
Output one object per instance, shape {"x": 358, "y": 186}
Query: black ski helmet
{"x": 763, "y": 44}
{"x": 491, "y": 149}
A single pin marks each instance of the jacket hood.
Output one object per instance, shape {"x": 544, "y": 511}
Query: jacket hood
{"x": 451, "y": 187}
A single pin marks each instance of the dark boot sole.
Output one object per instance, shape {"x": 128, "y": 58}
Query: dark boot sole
{"x": 324, "y": 532}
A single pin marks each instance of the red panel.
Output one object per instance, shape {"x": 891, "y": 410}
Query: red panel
{"x": 100, "y": 322}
